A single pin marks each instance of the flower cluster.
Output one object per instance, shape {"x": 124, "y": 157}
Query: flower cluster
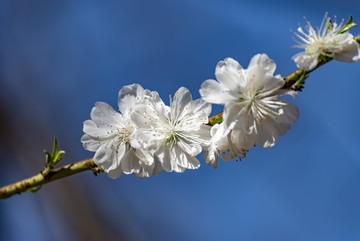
{"x": 109, "y": 135}
{"x": 253, "y": 113}
{"x": 146, "y": 136}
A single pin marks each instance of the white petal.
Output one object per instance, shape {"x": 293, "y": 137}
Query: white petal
{"x": 104, "y": 156}
{"x": 128, "y": 96}
{"x": 129, "y": 162}
{"x": 104, "y": 115}
{"x": 227, "y": 155}
{"x": 263, "y": 62}
{"x": 281, "y": 92}
{"x": 202, "y": 134}
{"x": 231, "y": 114}
{"x": 183, "y": 159}
{"x": 270, "y": 129}
{"x": 241, "y": 140}
{"x": 350, "y": 52}
{"x": 121, "y": 151}
{"x": 115, "y": 170}
{"x": 144, "y": 156}
{"x": 181, "y": 99}
{"x": 90, "y": 143}
{"x": 291, "y": 113}
{"x": 191, "y": 146}
{"x": 115, "y": 173}
{"x": 215, "y": 92}
{"x": 229, "y": 73}
{"x": 211, "y": 152}
{"x": 269, "y": 83}
{"x": 231, "y": 152}
{"x": 306, "y": 62}
{"x": 163, "y": 156}
{"x": 174, "y": 160}
{"x": 94, "y": 131}
{"x": 268, "y": 133}
{"x": 211, "y": 156}
{"x": 144, "y": 116}
{"x": 154, "y": 99}
{"x": 192, "y": 162}
{"x": 199, "y": 108}
{"x": 343, "y": 38}
{"x": 145, "y": 139}
{"x": 157, "y": 168}
{"x": 145, "y": 171}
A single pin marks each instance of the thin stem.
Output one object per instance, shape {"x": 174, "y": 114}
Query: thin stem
{"x": 34, "y": 183}
{"x": 46, "y": 176}
{"x": 291, "y": 79}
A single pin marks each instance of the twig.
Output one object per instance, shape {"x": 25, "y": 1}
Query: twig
{"x": 34, "y": 183}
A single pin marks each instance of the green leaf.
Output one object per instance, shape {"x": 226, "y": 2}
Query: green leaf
{"x": 48, "y": 157}
{"x": 299, "y": 85}
{"x": 55, "y": 148}
{"x": 53, "y": 159}
{"x": 348, "y": 25}
{"x": 34, "y": 189}
{"x": 57, "y": 157}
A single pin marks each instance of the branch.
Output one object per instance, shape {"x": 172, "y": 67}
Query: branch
{"x": 291, "y": 79}
{"x": 34, "y": 183}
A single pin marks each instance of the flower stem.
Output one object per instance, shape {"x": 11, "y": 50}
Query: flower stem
{"x": 34, "y": 183}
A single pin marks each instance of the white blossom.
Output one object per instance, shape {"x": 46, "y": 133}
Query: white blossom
{"x": 173, "y": 134}
{"x": 109, "y": 135}
{"x": 211, "y": 152}
{"x": 253, "y": 113}
{"x": 221, "y": 142}
{"x": 326, "y": 41}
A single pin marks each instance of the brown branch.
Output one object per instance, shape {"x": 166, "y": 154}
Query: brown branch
{"x": 34, "y": 183}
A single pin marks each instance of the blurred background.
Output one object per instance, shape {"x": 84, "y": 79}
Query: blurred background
{"x": 57, "y": 58}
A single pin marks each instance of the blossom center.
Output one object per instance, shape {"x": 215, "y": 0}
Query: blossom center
{"x": 322, "y": 46}
{"x": 124, "y": 133}
{"x": 260, "y": 103}
{"x": 248, "y": 96}
{"x": 172, "y": 133}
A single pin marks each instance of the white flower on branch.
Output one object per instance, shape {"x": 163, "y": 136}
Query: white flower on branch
{"x": 253, "y": 113}
{"x": 173, "y": 135}
{"x": 330, "y": 40}
{"x": 221, "y": 142}
{"x": 211, "y": 152}
{"x": 109, "y": 135}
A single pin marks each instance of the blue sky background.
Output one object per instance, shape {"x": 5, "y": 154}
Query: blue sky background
{"x": 57, "y": 58}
